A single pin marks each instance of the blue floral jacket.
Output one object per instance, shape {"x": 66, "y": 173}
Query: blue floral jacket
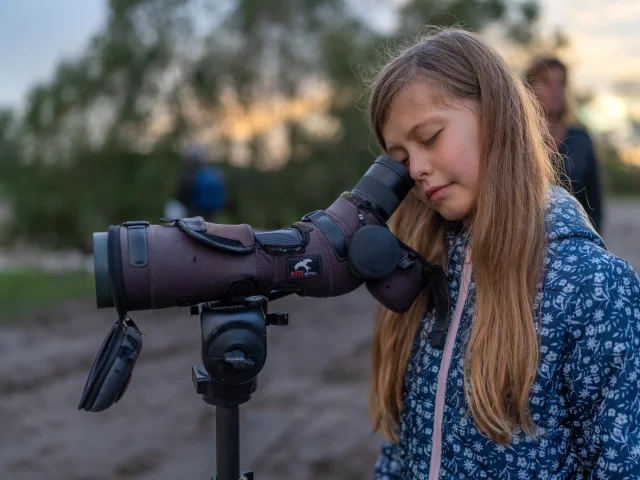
{"x": 586, "y": 400}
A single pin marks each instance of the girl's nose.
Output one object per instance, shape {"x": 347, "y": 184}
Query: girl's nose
{"x": 419, "y": 167}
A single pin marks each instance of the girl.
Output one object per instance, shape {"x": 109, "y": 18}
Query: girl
{"x": 539, "y": 376}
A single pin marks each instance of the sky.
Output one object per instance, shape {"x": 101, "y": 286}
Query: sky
{"x": 605, "y": 37}
{"x": 36, "y": 34}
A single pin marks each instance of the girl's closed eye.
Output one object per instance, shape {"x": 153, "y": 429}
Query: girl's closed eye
{"x": 433, "y": 139}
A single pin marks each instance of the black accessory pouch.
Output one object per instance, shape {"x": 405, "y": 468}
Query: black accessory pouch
{"x": 111, "y": 371}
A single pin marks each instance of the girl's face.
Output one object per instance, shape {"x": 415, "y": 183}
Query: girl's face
{"x": 438, "y": 140}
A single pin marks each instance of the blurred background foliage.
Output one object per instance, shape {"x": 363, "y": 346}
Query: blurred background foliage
{"x": 274, "y": 88}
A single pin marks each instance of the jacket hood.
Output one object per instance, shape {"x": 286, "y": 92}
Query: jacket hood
{"x": 565, "y": 218}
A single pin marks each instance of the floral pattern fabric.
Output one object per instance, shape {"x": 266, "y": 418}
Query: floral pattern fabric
{"x": 586, "y": 399}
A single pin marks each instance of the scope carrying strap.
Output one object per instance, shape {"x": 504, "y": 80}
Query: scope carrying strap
{"x": 116, "y": 276}
{"x": 111, "y": 371}
{"x": 438, "y": 300}
{"x": 196, "y": 228}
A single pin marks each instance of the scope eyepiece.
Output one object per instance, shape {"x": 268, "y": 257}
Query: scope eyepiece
{"x": 385, "y": 185}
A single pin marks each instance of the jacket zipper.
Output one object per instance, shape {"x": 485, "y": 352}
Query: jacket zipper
{"x": 436, "y": 440}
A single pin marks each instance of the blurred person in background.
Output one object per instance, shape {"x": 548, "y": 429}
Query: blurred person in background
{"x": 202, "y": 188}
{"x": 548, "y": 78}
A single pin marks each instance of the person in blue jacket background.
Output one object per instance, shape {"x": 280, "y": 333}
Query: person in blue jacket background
{"x": 539, "y": 374}
{"x": 202, "y": 187}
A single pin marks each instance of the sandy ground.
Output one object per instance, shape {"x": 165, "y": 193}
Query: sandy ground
{"x": 307, "y": 419}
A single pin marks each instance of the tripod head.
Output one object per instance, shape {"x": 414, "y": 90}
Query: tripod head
{"x": 234, "y": 349}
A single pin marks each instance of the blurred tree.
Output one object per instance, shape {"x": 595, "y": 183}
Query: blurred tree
{"x": 99, "y": 143}
{"x": 619, "y": 177}
{"x": 9, "y": 164}
{"x": 9, "y": 147}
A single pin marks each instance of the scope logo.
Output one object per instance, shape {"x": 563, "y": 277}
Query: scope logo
{"x": 303, "y": 267}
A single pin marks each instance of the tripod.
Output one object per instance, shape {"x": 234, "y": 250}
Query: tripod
{"x": 234, "y": 350}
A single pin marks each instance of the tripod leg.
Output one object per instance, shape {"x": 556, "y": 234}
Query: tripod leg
{"x": 227, "y": 443}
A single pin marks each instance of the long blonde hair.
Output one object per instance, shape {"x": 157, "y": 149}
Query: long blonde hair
{"x": 507, "y": 231}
